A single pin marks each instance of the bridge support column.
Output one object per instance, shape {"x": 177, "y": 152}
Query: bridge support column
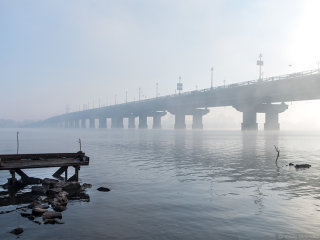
{"x": 102, "y": 122}
{"x": 83, "y": 123}
{"x": 272, "y": 116}
{"x": 143, "y": 121}
{"x": 272, "y": 121}
{"x": 71, "y": 123}
{"x": 117, "y": 122}
{"x": 92, "y": 123}
{"x": 249, "y": 121}
{"x": 249, "y": 116}
{"x": 76, "y": 123}
{"x": 197, "y": 118}
{"x": 131, "y": 122}
{"x": 271, "y": 113}
{"x": 157, "y": 119}
{"x": 180, "y": 121}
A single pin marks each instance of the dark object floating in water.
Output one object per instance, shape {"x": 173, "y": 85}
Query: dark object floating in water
{"x": 302, "y": 166}
{"x": 103, "y": 189}
{"x": 291, "y": 164}
{"x": 17, "y": 231}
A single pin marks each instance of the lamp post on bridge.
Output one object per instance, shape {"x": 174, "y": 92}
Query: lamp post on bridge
{"x": 179, "y": 85}
{"x": 157, "y": 89}
{"x": 260, "y": 64}
{"x": 139, "y": 94}
{"x": 211, "y": 77}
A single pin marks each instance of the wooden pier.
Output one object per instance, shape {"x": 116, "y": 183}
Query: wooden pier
{"x": 15, "y": 162}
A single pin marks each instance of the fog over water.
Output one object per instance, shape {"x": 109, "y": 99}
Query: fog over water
{"x": 70, "y": 55}
{"x": 220, "y": 183}
{"x": 180, "y": 184}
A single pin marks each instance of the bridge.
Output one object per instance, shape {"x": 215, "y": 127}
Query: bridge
{"x": 266, "y": 95}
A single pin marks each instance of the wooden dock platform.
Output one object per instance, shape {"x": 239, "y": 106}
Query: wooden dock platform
{"x": 15, "y": 162}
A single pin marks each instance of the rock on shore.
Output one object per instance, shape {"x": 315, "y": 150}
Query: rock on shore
{"x": 17, "y": 231}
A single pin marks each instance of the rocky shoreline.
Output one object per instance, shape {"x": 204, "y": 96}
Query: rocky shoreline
{"x": 46, "y": 201}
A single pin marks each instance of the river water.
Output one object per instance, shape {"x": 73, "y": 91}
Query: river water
{"x": 168, "y": 184}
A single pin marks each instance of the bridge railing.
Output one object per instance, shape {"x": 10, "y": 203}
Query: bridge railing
{"x": 257, "y": 81}
{"x": 195, "y": 92}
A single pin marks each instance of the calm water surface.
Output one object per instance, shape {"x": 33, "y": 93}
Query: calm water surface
{"x": 179, "y": 185}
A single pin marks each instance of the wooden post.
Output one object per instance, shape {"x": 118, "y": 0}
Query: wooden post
{"x": 76, "y": 172}
{"x": 66, "y": 175}
{"x": 13, "y": 174}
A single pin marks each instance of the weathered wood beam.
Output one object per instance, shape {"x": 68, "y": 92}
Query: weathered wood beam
{"x": 58, "y": 173}
{"x": 21, "y": 174}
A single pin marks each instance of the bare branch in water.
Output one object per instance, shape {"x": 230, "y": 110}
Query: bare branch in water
{"x": 278, "y": 151}
{"x": 79, "y": 143}
{"x": 17, "y": 142}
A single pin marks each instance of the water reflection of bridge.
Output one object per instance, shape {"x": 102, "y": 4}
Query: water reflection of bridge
{"x": 250, "y": 98}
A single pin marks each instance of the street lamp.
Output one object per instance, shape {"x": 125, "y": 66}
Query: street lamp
{"x": 260, "y": 64}
{"x": 179, "y": 86}
{"x": 211, "y": 77}
{"x": 157, "y": 90}
{"x": 139, "y": 94}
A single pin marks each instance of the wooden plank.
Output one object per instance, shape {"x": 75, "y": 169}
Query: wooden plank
{"x": 24, "y": 164}
{"x": 41, "y": 156}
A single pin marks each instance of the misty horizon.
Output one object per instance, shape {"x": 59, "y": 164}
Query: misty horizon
{"x": 60, "y": 54}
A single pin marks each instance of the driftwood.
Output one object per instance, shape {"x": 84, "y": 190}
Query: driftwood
{"x": 278, "y": 151}
{"x": 302, "y": 166}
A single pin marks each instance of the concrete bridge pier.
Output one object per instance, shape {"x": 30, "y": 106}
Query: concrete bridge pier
{"x": 157, "y": 119}
{"x": 131, "y": 122}
{"x": 83, "y": 123}
{"x": 272, "y": 115}
{"x": 197, "y": 118}
{"x": 117, "y": 122}
{"x": 71, "y": 123}
{"x": 76, "y": 123}
{"x": 143, "y": 123}
{"x": 102, "y": 122}
{"x": 249, "y": 116}
{"x": 249, "y": 121}
{"x": 272, "y": 121}
{"x": 92, "y": 123}
{"x": 180, "y": 120}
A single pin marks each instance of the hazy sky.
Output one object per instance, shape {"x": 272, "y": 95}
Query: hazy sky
{"x": 54, "y": 53}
